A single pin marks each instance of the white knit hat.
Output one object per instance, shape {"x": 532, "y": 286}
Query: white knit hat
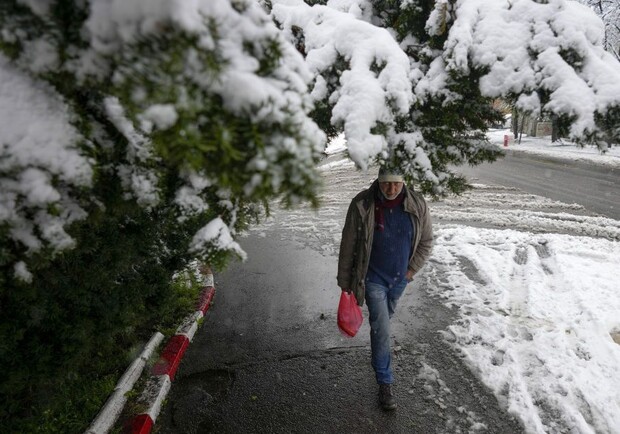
{"x": 390, "y": 175}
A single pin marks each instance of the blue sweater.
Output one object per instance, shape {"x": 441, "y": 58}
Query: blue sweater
{"x": 391, "y": 248}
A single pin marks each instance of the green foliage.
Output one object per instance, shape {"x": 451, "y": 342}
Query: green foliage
{"x": 453, "y": 128}
{"x": 411, "y": 20}
{"x": 67, "y": 336}
{"x": 207, "y": 135}
{"x": 610, "y": 124}
{"x": 322, "y": 115}
{"x": 452, "y": 122}
{"x": 322, "y": 112}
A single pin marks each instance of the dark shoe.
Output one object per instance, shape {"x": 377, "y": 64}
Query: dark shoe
{"x": 386, "y": 399}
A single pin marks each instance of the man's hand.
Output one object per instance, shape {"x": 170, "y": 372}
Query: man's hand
{"x": 347, "y": 290}
{"x": 409, "y": 276}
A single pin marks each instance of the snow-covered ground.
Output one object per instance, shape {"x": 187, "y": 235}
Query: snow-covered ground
{"x": 535, "y": 284}
{"x": 538, "y": 314}
{"x": 564, "y": 149}
{"x": 539, "y": 319}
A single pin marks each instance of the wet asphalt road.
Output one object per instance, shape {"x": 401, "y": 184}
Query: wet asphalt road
{"x": 270, "y": 359}
{"x": 595, "y": 187}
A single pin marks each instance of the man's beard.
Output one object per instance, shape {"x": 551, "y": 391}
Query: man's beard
{"x": 390, "y": 197}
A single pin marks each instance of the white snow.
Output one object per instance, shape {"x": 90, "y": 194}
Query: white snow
{"x": 523, "y": 46}
{"x": 503, "y": 35}
{"x": 163, "y": 116}
{"x": 538, "y": 315}
{"x": 535, "y": 322}
{"x": 139, "y": 147}
{"x": 365, "y": 97}
{"x": 40, "y": 56}
{"x": 41, "y": 164}
{"x": 188, "y": 197}
{"x": 215, "y": 235}
{"x": 137, "y": 180}
{"x": 336, "y": 145}
{"x": 22, "y": 273}
{"x": 564, "y": 149}
{"x": 39, "y": 7}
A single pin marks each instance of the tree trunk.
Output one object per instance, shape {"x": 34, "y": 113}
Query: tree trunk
{"x": 555, "y": 129}
{"x": 515, "y": 122}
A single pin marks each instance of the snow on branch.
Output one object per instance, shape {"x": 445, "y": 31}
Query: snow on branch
{"x": 549, "y": 52}
{"x": 187, "y": 96}
{"x": 215, "y": 237}
{"x": 228, "y": 53}
{"x": 42, "y": 169}
{"x": 375, "y": 86}
{"x": 375, "y": 82}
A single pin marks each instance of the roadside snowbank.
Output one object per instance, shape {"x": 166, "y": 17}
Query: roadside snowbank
{"x": 537, "y": 316}
{"x": 564, "y": 150}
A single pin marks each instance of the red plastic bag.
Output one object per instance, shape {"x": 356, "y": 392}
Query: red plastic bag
{"x": 349, "y": 314}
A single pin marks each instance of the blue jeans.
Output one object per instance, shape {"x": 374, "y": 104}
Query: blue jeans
{"x": 381, "y": 302}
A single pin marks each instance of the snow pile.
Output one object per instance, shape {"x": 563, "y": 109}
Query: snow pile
{"x": 42, "y": 169}
{"x": 536, "y": 317}
{"x": 542, "y": 221}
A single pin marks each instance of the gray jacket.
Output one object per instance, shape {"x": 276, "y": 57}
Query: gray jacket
{"x": 358, "y": 232}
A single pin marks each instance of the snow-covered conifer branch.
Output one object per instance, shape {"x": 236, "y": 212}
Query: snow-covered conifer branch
{"x": 180, "y": 101}
{"x": 369, "y": 64}
{"x": 43, "y": 172}
{"x": 548, "y": 54}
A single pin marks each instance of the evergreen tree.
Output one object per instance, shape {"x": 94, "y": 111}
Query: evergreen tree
{"x": 136, "y": 135}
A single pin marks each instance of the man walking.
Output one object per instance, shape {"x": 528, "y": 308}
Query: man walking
{"x": 386, "y": 240}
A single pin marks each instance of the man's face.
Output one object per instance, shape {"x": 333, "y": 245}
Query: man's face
{"x": 391, "y": 189}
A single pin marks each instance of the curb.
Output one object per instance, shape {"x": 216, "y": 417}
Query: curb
{"x": 164, "y": 370}
{"x": 162, "y": 373}
{"x": 115, "y": 403}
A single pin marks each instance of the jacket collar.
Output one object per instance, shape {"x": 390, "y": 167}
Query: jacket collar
{"x": 366, "y": 204}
